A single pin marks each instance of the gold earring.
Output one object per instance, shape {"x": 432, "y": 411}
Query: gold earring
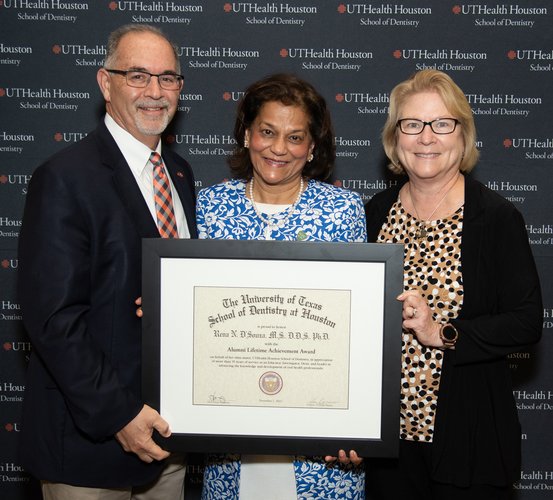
{"x": 246, "y": 143}
{"x": 310, "y": 157}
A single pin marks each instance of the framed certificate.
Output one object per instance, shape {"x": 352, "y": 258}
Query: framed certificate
{"x": 273, "y": 347}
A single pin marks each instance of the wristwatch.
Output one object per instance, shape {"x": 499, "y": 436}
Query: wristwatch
{"x": 448, "y": 335}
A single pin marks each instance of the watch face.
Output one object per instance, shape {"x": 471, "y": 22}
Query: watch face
{"x": 449, "y": 333}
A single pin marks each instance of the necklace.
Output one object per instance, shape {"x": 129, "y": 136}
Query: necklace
{"x": 422, "y": 224}
{"x": 271, "y": 224}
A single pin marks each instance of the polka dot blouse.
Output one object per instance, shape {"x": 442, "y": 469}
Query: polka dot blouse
{"x": 432, "y": 265}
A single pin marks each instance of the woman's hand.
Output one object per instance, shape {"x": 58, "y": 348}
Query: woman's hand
{"x": 138, "y": 302}
{"x": 417, "y": 318}
{"x": 345, "y": 458}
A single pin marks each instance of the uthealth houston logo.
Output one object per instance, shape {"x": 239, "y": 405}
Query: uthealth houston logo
{"x": 17, "y": 179}
{"x": 16, "y": 346}
{"x": 439, "y": 54}
{"x": 167, "y": 6}
{"x": 79, "y": 50}
{"x": 233, "y": 95}
{"x": 69, "y": 136}
{"x": 44, "y": 4}
{"x": 530, "y": 55}
{"x": 528, "y": 142}
{"x": 535, "y": 149}
{"x": 390, "y": 9}
{"x": 268, "y": 8}
{"x": 504, "y": 10}
{"x": 9, "y": 264}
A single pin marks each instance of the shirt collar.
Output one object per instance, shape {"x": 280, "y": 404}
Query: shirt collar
{"x": 135, "y": 152}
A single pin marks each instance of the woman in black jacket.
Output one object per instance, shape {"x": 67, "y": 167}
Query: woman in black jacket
{"x": 472, "y": 296}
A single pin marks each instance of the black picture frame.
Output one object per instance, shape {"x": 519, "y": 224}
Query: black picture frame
{"x": 174, "y": 260}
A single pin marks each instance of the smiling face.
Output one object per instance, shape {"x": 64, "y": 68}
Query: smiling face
{"x": 429, "y": 156}
{"x": 279, "y": 143}
{"x": 143, "y": 112}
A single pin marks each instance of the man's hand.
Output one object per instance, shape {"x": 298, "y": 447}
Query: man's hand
{"x": 136, "y": 436}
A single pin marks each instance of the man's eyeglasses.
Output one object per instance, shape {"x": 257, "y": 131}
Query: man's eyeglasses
{"x": 412, "y": 126}
{"x": 141, "y": 79}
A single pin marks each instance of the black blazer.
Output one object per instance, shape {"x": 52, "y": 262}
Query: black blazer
{"x": 79, "y": 274}
{"x": 477, "y": 433}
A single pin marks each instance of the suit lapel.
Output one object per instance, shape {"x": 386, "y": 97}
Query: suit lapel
{"x": 125, "y": 185}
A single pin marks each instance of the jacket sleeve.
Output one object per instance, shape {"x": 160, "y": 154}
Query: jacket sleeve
{"x": 503, "y": 307}
{"x": 57, "y": 267}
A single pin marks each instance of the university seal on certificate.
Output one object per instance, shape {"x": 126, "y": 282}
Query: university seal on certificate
{"x": 270, "y": 383}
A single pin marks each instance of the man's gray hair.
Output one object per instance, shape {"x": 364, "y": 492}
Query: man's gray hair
{"x": 116, "y": 36}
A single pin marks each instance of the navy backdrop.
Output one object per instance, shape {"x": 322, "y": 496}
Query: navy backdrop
{"x": 501, "y": 54}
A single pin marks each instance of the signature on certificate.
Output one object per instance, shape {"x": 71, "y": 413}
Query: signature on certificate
{"x": 321, "y": 403}
{"x": 215, "y": 399}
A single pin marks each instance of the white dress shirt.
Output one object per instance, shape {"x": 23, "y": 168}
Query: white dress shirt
{"x": 137, "y": 156}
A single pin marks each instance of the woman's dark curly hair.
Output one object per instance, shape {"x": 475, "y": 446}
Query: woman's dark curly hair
{"x": 291, "y": 91}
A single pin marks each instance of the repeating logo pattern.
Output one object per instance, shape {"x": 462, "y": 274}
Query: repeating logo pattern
{"x": 500, "y": 53}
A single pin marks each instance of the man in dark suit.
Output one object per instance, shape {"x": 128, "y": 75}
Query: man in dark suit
{"x": 86, "y": 432}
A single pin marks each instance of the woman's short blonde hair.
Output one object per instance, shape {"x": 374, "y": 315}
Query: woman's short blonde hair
{"x": 431, "y": 80}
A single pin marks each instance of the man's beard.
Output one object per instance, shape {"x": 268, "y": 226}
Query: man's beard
{"x": 153, "y": 126}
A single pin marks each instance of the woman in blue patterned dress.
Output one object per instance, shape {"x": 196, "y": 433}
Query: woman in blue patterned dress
{"x": 285, "y": 153}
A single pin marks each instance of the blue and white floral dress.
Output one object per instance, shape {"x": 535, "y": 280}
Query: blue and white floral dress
{"x": 323, "y": 213}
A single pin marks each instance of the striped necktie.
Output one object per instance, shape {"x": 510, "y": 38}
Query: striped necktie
{"x": 165, "y": 215}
